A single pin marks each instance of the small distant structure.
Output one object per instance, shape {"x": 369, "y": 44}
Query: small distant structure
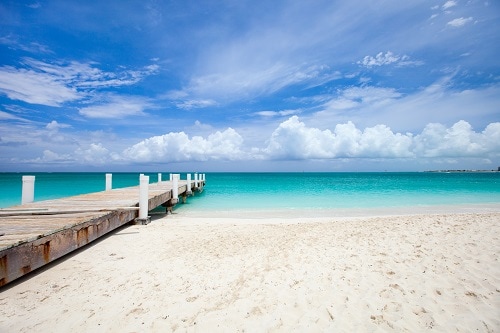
{"x": 498, "y": 169}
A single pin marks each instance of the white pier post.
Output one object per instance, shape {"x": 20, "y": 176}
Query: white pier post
{"x": 196, "y": 180}
{"x": 174, "y": 180}
{"x": 28, "y": 189}
{"x": 175, "y": 189}
{"x": 109, "y": 181}
{"x": 202, "y": 184}
{"x": 188, "y": 177}
{"x": 143, "y": 200}
{"x": 159, "y": 177}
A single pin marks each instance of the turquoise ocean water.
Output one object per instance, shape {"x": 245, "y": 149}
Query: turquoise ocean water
{"x": 282, "y": 191}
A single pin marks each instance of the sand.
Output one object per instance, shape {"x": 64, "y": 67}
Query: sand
{"x": 410, "y": 273}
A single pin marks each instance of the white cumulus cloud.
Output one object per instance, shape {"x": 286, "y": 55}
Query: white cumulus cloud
{"x": 294, "y": 140}
{"x": 178, "y": 147}
{"x": 460, "y": 140}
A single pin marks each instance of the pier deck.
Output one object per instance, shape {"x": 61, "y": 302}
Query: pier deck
{"x": 34, "y": 234}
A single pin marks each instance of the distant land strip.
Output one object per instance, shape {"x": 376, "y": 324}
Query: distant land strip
{"x": 492, "y": 170}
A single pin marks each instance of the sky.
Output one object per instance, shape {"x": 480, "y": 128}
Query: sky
{"x": 283, "y": 85}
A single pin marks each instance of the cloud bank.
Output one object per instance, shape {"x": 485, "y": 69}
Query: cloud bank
{"x": 293, "y": 140}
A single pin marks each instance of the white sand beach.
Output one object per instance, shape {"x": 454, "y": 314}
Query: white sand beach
{"x": 413, "y": 273}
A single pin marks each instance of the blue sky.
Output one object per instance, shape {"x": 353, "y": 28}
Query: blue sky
{"x": 249, "y": 85}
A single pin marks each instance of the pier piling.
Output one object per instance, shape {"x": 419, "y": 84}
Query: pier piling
{"x": 143, "y": 200}
{"x": 175, "y": 188}
{"x": 188, "y": 191}
{"x": 28, "y": 190}
{"x": 109, "y": 181}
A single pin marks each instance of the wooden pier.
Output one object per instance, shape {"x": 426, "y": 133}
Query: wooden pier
{"x": 34, "y": 234}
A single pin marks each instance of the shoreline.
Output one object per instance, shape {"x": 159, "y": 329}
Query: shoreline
{"x": 332, "y": 213}
{"x": 411, "y": 272}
